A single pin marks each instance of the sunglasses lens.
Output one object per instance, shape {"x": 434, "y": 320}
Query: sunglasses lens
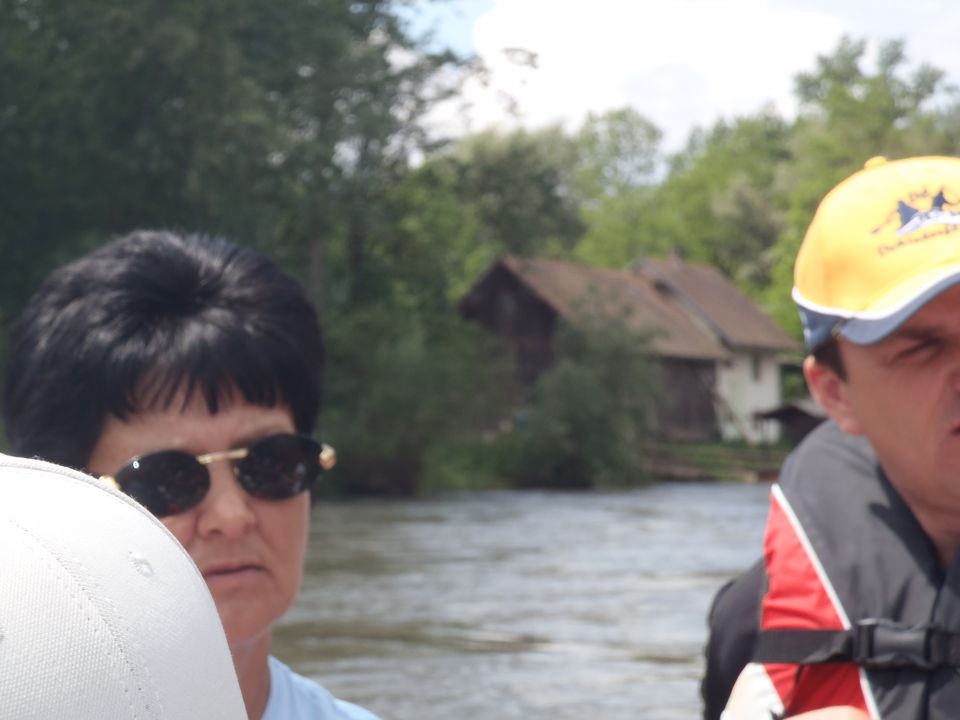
{"x": 280, "y": 466}
{"x": 166, "y": 482}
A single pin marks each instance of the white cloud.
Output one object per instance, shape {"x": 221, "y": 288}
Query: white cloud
{"x": 679, "y": 62}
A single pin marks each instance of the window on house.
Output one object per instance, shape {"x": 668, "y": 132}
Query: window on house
{"x": 756, "y": 367}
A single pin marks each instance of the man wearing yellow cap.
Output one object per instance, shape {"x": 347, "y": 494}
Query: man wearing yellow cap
{"x": 857, "y": 601}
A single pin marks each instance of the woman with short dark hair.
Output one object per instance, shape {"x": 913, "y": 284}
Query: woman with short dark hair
{"x": 187, "y": 372}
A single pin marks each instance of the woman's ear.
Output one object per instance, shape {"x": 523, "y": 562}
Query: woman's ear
{"x": 831, "y": 391}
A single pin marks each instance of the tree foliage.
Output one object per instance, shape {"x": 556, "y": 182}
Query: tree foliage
{"x": 275, "y": 124}
{"x": 588, "y": 415}
{"x": 618, "y": 155}
{"x": 720, "y": 201}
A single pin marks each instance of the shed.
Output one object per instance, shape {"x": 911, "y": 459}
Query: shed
{"x": 797, "y": 418}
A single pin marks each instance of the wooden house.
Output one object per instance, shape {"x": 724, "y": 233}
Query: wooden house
{"x": 716, "y": 351}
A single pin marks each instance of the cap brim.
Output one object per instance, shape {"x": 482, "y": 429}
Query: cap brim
{"x": 865, "y": 331}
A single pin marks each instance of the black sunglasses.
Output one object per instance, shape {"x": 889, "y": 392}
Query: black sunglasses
{"x": 277, "y": 467}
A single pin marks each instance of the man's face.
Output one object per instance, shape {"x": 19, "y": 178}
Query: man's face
{"x": 903, "y": 394}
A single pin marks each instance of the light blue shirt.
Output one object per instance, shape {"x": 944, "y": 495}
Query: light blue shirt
{"x": 294, "y": 697}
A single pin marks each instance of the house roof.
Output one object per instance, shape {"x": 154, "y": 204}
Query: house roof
{"x": 804, "y": 405}
{"x": 579, "y": 293}
{"x": 714, "y": 299}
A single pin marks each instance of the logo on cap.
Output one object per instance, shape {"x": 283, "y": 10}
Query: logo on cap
{"x": 913, "y": 219}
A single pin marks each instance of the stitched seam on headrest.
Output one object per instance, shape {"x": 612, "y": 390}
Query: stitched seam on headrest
{"x": 81, "y": 592}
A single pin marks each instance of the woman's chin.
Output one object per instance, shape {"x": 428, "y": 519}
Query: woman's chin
{"x": 244, "y": 634}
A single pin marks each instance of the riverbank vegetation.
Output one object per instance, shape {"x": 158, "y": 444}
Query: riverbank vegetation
{"x": 298, "y": 127}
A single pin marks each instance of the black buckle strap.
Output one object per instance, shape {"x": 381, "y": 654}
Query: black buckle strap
{"x": 803, "y": 647}
{"x": 880, "y": 644}
{"x": 872, "y": 643}
{"x": 944, "y": 647}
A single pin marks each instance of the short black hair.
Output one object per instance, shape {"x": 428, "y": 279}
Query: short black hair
{"x": 124, "y": 328}
{"x": 828, "y": 354}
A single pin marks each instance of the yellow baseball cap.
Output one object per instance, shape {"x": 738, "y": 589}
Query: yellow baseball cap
{"x": 882, "y": 244}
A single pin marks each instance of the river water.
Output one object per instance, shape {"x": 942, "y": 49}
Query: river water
{"x": 531, "y": 605}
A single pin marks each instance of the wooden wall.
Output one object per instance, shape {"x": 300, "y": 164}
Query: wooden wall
{"x": 686, "y": 405}
{"x": 509, "y": 309}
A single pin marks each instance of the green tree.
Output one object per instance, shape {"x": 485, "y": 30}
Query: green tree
{"x": 589, "y": 413}
{"x": 504, "y": 193}
{"x": 274, "y": 123}
{"x": 617, "y": 151}
{"x": 618, "y": 158}
{"x": 407, "y": 386}
{"x": 720, "y": 201}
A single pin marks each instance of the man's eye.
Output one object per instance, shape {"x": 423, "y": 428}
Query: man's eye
{"x": 920, "y": 348}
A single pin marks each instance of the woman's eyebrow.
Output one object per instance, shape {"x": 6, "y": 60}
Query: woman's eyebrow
{"x": 258, "y": 433}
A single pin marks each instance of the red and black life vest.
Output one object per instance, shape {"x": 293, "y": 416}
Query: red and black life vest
{"x": 858, "y": 609}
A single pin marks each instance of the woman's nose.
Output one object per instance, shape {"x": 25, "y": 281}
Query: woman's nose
{"x": 226, "y": 510}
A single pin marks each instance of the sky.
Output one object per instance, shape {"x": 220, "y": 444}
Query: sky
{"x": 681, "y": 63}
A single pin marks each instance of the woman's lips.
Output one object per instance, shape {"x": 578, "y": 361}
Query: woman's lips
{"x": 229, "y": 570}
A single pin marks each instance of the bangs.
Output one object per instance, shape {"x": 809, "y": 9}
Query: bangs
{"x": 218, "y": 362}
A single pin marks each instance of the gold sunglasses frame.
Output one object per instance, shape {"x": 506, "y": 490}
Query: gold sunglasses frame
{"x": 327, "y": 458}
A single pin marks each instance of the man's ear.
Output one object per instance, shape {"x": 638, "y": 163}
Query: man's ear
{"x": 831, "y": 392}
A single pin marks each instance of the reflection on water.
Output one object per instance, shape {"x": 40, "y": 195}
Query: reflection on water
{"x": 520, "y": 605}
